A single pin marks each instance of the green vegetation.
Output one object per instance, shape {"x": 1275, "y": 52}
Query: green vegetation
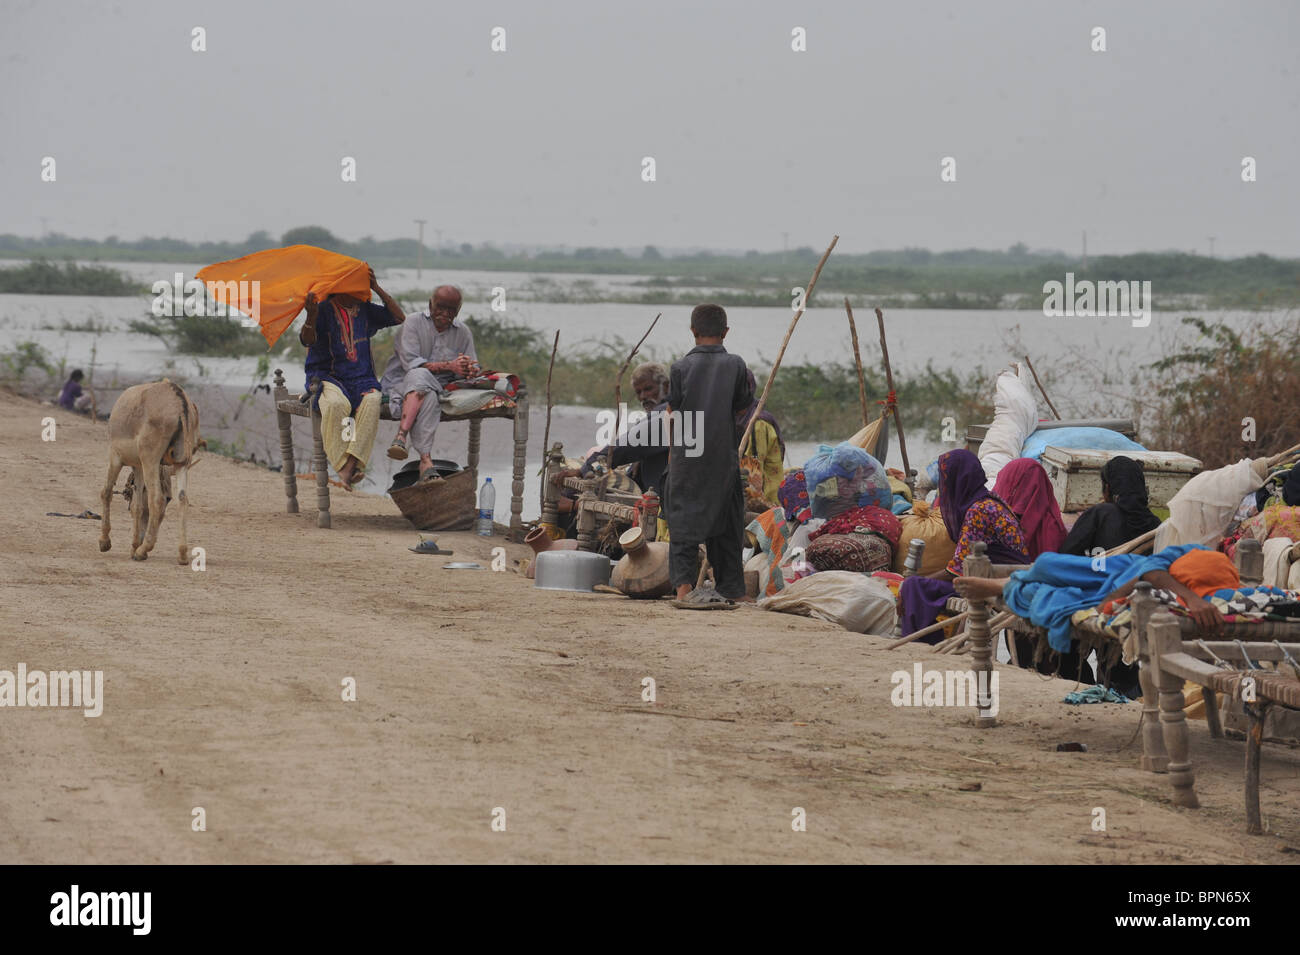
{"x": 40, "y": 277}
{"x": 215, "y": 336}
{"x": 900, "y": 278}
{"x": 23, "y": 357}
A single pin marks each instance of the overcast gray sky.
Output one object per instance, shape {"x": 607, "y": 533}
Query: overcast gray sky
{"x": 1141, "y": 145}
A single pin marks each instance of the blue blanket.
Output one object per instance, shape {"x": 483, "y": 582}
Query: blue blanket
{"x": 1101, "y": 439}
{"x": 1050, "y": 592}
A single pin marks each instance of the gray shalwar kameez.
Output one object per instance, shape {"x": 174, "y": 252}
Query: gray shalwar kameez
{"x": 417, "y": 343}
{"x": 706, "y": 501}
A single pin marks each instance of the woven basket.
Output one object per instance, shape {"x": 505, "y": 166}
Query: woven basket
{"x": 446, "y": 505}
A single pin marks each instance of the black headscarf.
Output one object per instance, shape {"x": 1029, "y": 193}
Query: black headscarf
{"x": 1128, "y": 487}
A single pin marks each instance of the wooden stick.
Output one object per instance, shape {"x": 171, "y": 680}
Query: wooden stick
{"x": 771, "y": 376}
{"x": 546, "y": 435}
{"x": 857, "y": 360}
{"x": 1279, "y": 458}
{"x": 942, "y": 624}
{"x": 618, "y": 382}
{"x": 889, "y": 383}
{"x": 1042, "y": 389}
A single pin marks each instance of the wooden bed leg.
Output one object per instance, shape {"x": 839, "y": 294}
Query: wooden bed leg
{"x": 320, "y": 465}
{"x": 1166, "y": 639}
{"x": 285, "y": 421}
{"x": 978, "y": 565}
{"x": 586, "y": 523}
{"x": 521, "y": 461}
{"x": 1254, "y": 739}
{"x": 475, "y": 433}
{"x": 554, "y": 462}
{"x": 1211, "y": 700}
{"x": 1154, "y": 757}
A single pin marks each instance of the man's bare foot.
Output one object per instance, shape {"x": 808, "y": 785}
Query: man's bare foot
{"x": 683, "y": 590}
{"x": 978, "y": 587}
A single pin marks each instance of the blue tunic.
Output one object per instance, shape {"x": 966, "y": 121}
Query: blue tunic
{"x": 341, "y": 352}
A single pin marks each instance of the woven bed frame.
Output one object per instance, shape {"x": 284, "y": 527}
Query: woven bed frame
{"x": 287, "y": 404}
{"x": 1171, "y": 650}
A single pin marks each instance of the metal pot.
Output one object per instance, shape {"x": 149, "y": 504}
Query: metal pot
{"x": 571, "y": 570}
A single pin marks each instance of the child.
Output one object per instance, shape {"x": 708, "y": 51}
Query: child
{"x": 706, "y": 503}
{"x": 72, "y": 396}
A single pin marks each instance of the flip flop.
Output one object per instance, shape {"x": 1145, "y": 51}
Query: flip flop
{"x": 427, "y": 546}
{"x": 397, "y": 450}
{"x": 705, "y": 598}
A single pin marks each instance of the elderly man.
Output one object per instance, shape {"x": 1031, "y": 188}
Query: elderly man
{"x": 337, "y": 335}
{"x": 432, "y": 350}
{"x": 650, "y": 381}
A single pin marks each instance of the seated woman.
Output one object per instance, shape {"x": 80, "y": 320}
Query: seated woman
{"x": 764, "y": 445}
{"x": 1023, "y": 484}
{"x": 971, "y": 512}
{"x": 1122, "y": 516}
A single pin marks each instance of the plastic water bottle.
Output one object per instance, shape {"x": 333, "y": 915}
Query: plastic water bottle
{"x": 487, "y": 501}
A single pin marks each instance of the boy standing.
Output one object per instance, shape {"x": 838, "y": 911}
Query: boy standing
{"x": 706, "y": 502}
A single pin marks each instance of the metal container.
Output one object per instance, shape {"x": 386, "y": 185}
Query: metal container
{"x": 571, "y": 570}
{"x": 1075, "y": 474}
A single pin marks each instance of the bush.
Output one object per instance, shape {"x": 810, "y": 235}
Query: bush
{"x": 40, "y": 277}
{"x": 206, "y": 335}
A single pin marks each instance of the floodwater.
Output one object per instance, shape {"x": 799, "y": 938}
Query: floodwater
{"x": 1094, "y": 364}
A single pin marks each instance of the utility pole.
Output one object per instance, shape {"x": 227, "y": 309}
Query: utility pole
{"x": 419, "y": 268}
{"x": 1085, "y": 248}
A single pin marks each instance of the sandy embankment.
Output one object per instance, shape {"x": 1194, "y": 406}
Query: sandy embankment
{"x": 474, "y": 691}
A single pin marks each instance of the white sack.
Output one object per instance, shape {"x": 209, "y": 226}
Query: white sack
{"x": 855, "y": 601}
{"x": 1202, "y": 509}
{"x": 1015, "y": 418}
{"x": 1277, "y": 561}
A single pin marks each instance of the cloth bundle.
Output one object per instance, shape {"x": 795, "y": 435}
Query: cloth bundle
{"x": 772, "y": 533}
{"x": 856, "y": 602}
{"x": 861, "y": 553}
{"x": 501, "y": 382}
{"x": 925, "y": 523}
{"x": 874, "y": 519}
{"x": 1015, "y": 416}
{"x": 844, "y": 475}
{"x": 794, "y": 496}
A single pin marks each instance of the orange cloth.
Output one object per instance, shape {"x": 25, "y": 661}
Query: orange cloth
{"x": 1205, "y": 571}
{"x": 285, "y": 276}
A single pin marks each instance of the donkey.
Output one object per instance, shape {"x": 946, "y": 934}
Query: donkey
{"x": 152, "y": 427}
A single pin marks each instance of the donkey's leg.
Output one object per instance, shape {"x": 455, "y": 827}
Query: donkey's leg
{"x": 139, "y": 509}
{"x": 157, "y": 504}
{"x": 181, "y": 473}
{"x": 106, "y": 498}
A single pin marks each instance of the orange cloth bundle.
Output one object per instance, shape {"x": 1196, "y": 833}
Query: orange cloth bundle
{"x": 1205, "y": 571}
{"x": 284, "y": 277}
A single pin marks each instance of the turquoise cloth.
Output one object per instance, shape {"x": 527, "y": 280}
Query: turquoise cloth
{"x": 1101, "y": 439}
{"x": 1057, "y": 585}
{"x": 1095, "y": 694}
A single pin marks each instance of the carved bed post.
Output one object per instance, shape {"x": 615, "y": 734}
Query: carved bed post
{"x": 650, "y": 516}
{"x": 285, "y": 422}
{"x": 1154, "y": 757}
{"x": 319, "y": 464}
{"x": 1165, "y": 639}
{"x": 586, "y": 522}
{"x": 552, "y": 463}
{"x": 1250, "y": 562}
{"x": 979, "y": 565}
{"x": 521, "y": 460}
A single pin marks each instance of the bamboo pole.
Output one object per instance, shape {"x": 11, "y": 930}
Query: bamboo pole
{"x": 618, "y": 382}
{"x": 857, "y": 360}
{"x": 1279, "y": 458}
{"x": 767, "y": 386}
{"x": 546, "y": 435}
{"x": 889, "y": 383}
{"x": 1042, "y": 389}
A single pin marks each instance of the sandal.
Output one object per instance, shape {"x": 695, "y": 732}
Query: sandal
{"x": 397, "y": 450}
{"x": 705, "y": 597}
{"x": 428, "y": 475}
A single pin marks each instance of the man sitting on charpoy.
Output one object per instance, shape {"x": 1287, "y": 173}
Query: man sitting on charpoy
{"x": 430, "y": 352}
{"x": 337, "y": 335}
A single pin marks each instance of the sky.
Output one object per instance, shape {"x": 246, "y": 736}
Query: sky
{"x": 755, "y": 144}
